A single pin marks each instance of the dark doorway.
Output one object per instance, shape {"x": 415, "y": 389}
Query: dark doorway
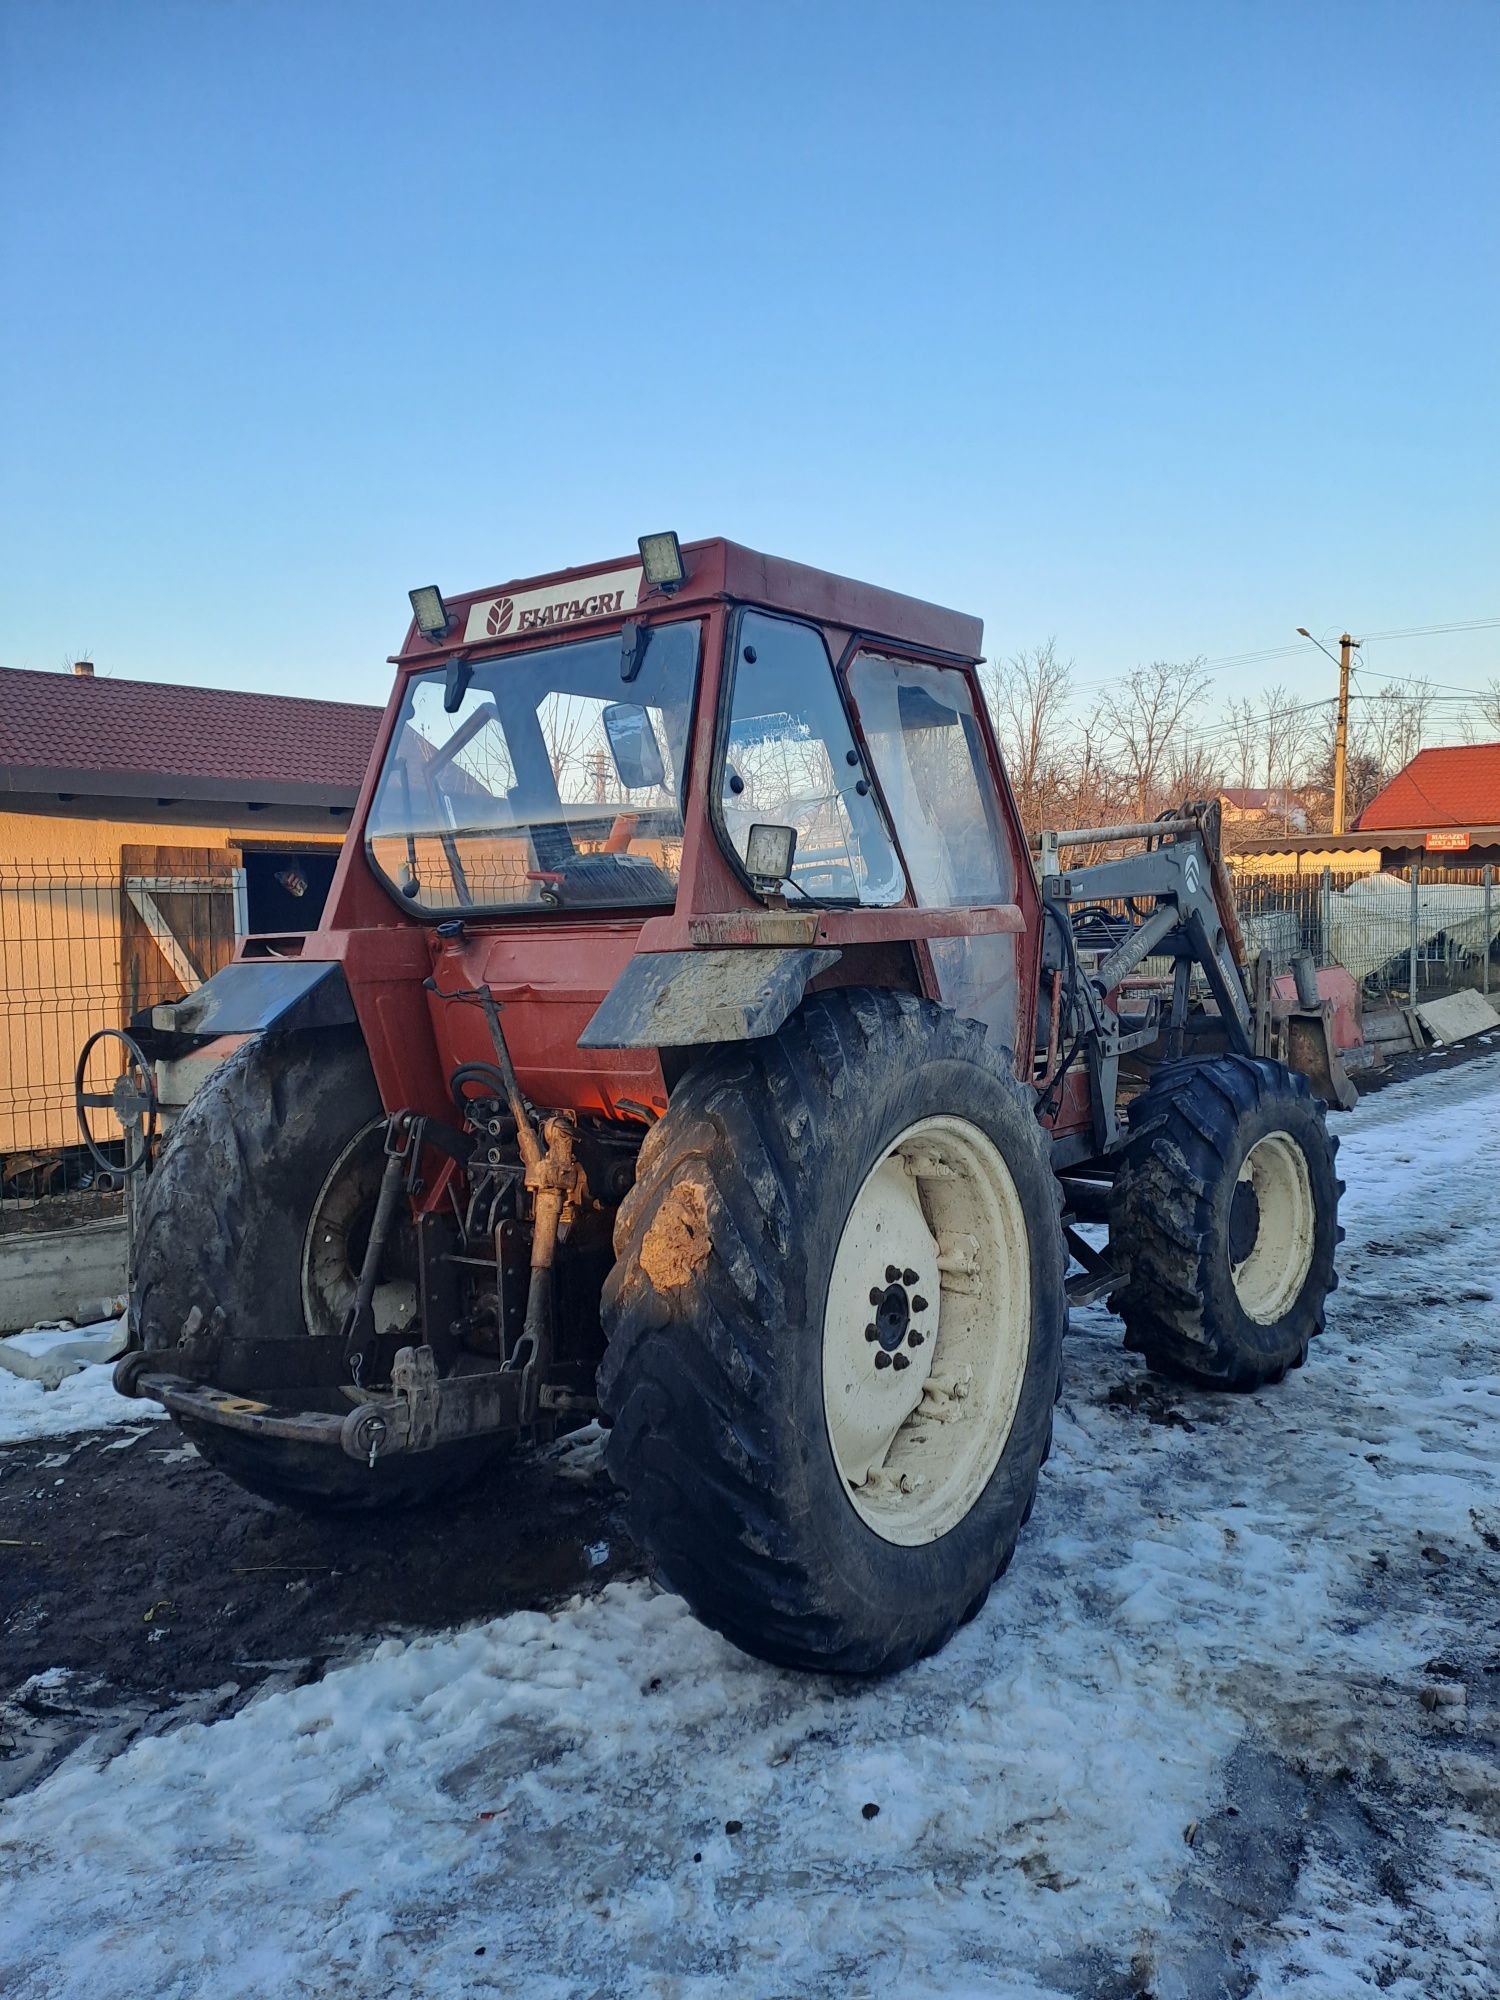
{"x": 286, "y": 890}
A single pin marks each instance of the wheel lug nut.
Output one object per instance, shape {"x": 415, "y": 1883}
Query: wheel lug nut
{"x": 883, "y": 1360}
{"x": 908, "y": 1277}
{"x": 914, "y": 1339}
{"x": 876, "y": 1295}
{"x": 901, "y": 1361}
{"x": 871, "y": 1332}
{"x": 892, "y": 1273}
{"x": 919, "y": 1304}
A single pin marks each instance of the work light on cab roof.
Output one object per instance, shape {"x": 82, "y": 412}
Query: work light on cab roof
{"x": 434, "y": 620}
{"x": 661, "y": 559}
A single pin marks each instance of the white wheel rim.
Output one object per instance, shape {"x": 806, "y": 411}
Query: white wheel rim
{"x": 1270, "y": 1276}
{"x": 917, "y": 1425}
{"x": 330, "y": 1268}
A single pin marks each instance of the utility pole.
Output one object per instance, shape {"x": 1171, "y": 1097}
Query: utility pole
{"x": 1347, "y": 648}
{"x": 1341, "y": 737}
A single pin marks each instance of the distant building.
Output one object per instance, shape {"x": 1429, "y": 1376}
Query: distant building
{"x": 1261, "y": 806}
{"x": 1441, "y": 813}
{"x": 143, "y": 827}
{"x": 1450, "y": 797}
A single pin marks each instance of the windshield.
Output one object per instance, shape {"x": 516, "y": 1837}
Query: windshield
{"x": 556, "y": 780}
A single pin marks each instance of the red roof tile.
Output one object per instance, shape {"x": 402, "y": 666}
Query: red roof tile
{"x": 1458, "y": 785}
{"x": 86, "y": 734}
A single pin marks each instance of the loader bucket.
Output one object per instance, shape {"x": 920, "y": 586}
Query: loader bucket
{"x": 1310, "y": 1049}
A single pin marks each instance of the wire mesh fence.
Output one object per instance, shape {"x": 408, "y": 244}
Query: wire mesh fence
{"x": 1407, "y": 936}
{"x": 86, "y": 945}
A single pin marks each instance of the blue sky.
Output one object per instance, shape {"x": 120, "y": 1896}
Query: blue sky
{"x": 1163, "y": 328}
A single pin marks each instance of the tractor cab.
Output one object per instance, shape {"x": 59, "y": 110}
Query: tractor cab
{"x": 609, "y": 786}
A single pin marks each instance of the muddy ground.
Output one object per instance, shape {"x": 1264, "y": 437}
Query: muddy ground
{"x": 132, "y": 1564}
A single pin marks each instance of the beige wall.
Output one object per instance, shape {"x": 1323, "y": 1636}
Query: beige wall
{"x": 29, "y": 837}
{"x": 60, "y": 974}
{"x": 1349, "y": 861}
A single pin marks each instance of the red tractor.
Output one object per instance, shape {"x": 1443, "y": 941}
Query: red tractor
{"x": 691, "y": 1040}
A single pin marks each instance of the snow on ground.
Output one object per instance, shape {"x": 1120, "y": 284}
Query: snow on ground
{"x": 84, "y": 1401}
{"x": 1228, "y": 1726}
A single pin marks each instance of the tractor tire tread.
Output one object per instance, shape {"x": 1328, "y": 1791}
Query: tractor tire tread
{"x": 692, "y": 1385}
{"x": 1172, "y": 1293}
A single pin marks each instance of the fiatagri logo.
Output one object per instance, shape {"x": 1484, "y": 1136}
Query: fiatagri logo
{"x": 558, "y": 604}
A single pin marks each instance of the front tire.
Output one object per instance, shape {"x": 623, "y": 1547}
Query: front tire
{"x": 834, "y": 1333}
{"x": 1225, "y": 1216}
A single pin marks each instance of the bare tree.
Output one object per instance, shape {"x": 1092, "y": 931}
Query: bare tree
{"x": 1142, "y": 722}
{"x": 1489, "y": 706}
{"x": 1197, "y": 769}
{"x": 1393, "y": 724}
{"x": 1281, "y": 741}
{"x": 1241, "y": 735}
{"x": 1028, "y": 699}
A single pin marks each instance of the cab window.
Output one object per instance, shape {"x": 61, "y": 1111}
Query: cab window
{"x": 789, "y": 760}
{"x": 923, "y": 738}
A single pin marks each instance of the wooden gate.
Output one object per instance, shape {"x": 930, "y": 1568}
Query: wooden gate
{"x": 181, "y": 909}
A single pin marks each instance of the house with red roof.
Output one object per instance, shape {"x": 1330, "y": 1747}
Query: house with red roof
{"x": 1440, "y": 813}
{"x": 1450, "y": 795}
{"x": 144, "y": 828}
{"x": 1261, "y": 805}
{"x": 91, "y": 766}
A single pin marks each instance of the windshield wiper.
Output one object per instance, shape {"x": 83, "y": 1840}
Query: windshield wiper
{"x": 456, "y": 684}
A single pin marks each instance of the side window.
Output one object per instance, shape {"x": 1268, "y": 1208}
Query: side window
{"x": 924, "y": 741}
{"x": 790, "y": 760}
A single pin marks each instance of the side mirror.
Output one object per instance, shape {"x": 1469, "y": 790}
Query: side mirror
{"x": 633, "y": 745}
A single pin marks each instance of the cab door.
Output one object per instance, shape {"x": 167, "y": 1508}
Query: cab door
{"x": 927, "y": 749}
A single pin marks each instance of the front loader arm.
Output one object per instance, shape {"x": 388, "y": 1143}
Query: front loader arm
{"x": 1182, "y": 871}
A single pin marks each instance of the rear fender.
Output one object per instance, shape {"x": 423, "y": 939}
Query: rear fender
{"x": 254, "y": 996}
{"x": 676, "y": 999}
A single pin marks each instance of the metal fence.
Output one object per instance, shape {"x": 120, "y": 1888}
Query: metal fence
{"x": 1407, "y": 937}
{"x": 85, "y": 945}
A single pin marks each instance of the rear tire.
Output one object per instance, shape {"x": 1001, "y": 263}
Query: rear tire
{"x": 1225, "y": 1216}
{"x": 808, "y": 1536}
{"x": 224, "y": 1222}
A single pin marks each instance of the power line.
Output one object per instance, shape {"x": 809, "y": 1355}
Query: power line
{"x": 1220, "y": 661}
{"x": 1427, "y": 631}
{"x": 1231, "y": 726}
{"x": 1467, "y": 697}
{"x": 1419, "y": 681}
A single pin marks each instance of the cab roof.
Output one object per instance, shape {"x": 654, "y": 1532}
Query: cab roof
{"x": 531, "y": 606}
